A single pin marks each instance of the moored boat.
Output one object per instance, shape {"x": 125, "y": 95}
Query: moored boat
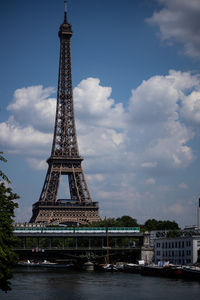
{"x": 166, "y": 271}
{"x": 132, "y": 268}
{"x": 45, "y": 263}
{"x": 110, "y": 268}
{"x": 191, "y": 273}
{"x": 88, "y": 266}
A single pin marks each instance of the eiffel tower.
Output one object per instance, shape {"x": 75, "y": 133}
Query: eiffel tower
{"x": 65, "y": 158}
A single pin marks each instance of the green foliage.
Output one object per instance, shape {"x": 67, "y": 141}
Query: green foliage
{"x": 109, "y": 222}
{"x": 173, "y": 233}
{"x": 57, "y": 242}
{"x": 124, "y": 221}
{"x": 31, "y": 242}
{"x": 2, "y": 175}
{"x": 70, "y": 242}
{"x": 44, "y": 243}
{"x": 153, "y": 224}
{"x": 127, "y": 221}
{"x": 8, "y": 258}
{"x": 83, "y": 242}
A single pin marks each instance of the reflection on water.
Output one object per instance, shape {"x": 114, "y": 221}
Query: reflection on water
{"x": 48, "y": 284}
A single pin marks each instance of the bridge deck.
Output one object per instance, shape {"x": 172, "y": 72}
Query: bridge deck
{"x": 77, "y": 232}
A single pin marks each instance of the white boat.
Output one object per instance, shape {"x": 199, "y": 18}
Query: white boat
{"x": 110, "y": 268}
{"x": 45, "y": 263}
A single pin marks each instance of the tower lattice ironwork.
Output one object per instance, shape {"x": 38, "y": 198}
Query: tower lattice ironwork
{"x": 65, "y": 158}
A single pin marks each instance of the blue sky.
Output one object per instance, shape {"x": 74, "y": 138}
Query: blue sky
{"x": 136, "y": 86}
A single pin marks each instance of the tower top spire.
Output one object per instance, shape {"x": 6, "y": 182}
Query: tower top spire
{"x": 65, "y": 27}
{"x": 65, "y": 15}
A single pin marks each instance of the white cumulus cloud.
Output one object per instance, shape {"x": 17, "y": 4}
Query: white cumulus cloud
{"x": 23, "y": 140}
{"x": 179, "y": 21}
{"x": 160, "y": 138}
{"x": 148, "y": 133}
{"x": 183, "y": 186}
{"x": 191, "y": 108}
{"x": 32, "y": 105}
{"x": 93, "y": 105}
{"x": 127, "y": 147}
{"x": 37, "y": 164}
{"x": 150, "y": 181}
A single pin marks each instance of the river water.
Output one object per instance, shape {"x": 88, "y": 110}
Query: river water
{"x": 49, "y": 284}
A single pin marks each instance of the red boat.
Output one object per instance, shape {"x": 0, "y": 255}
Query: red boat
{"x": 166, "y": 271}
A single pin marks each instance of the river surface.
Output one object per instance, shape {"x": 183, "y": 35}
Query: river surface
{"x": 51, "y": 284}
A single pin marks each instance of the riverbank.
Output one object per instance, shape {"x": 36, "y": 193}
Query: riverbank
{"x": 170, "y": 271}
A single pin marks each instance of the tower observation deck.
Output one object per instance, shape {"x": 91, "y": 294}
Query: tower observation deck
{"x": 65, "y": 158}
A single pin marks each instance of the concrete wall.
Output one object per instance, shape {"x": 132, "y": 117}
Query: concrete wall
{"x": 147, "y": 255}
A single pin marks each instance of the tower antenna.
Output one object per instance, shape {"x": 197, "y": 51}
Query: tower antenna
{"x": 65, "y": 4}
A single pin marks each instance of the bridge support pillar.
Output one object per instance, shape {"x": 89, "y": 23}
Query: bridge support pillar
{"x": 76, "y": 241}
{"x": 147, "y": 251}
{"x": 89, "y": 243}
{"x": 24, "y": 242}
{"x": 147, "y": 254}
{"x": 102, "y": 242}
{"x": 50, "y": 242}
{"x": 63, "y": 243}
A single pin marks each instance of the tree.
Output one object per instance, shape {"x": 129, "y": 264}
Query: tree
{"x": 8, "y": 257}
{"x": 153, "y": 224}
{"x": 173, "y": 233}
{"x": 127, "y": 221}
{"x": 124, "y": 221}
{"x": 2, "y": 175}
{"x": 107, "y": 222}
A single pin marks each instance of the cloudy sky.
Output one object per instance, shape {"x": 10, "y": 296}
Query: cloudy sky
{"x": 137, "y": 101}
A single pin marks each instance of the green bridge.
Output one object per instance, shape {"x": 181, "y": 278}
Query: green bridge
{"x": 37, "y": 241}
